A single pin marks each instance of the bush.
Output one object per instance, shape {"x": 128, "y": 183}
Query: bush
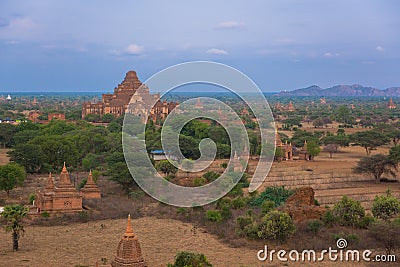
{"x": 314, "y": 226}
{"x": 199, "y": 181}
{"x": 277, "y": 194}
{"x": 236, "y": 191}
{"x": 238, "y": 203}
{"x": 223, "y": 202}
{"x": 32, "y": 198}
{"x": 267, "y": 206}
{"x": 329, "y": 219}
{"x": 386, "y": 234}
{"x": 242, "y": 222}
{"x": 211, "y": 176}
{"x": 190, "y": 259}
{"x": 45, "y": 214}
{"x": 214, "y": 216}
{"x": 349, "y": 212}
{"x": 385, "y": 207}
{"x": 276, "y": 225}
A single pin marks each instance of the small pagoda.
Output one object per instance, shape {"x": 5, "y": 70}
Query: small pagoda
{"x": 129, "y": 253}
{"x": 391, "y": 104}
{"x": 90, "y": 190}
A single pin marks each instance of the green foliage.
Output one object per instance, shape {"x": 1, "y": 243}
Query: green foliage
{"x": 329, "y": 219}
{"x": 211, "y": 176}
{"x": 276, "y": 194}
{"x": 14, "y": 215}
{"x": 190, "y": 259}
{"x": 214, "y": 216}
{"x": 242, "y": 222}
{"x": 348, "y": 212}
{"x": 199, "y": 181}
{"x": 314, "y": 226}
{"x": 313, "y": 148}
{"x": 11, "y": 176}
{"x": 385, "y": 207}
{"x": 32, "y": 198}
{"x": 267, "y": 206}
{"x": 376, "y": 165}
{"x": 276, "y": 225}
{"x": 369, "y": 140}
{"x": 394, "y": 154}
{"x": 238, "y": 203}
{"x": 45, "y": 214}
{"x": 166, "y": 167}
{"x": 236, "y": 191}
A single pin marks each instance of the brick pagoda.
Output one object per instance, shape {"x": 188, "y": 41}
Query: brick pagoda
{"x": 90, "y": 190}
{"x": 61, "y": 198}
{"x": 129, "y": 253}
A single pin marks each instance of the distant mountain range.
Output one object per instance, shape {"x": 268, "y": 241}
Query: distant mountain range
{"x": 343, "y": 90}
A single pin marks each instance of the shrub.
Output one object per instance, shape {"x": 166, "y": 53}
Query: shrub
{"x": 267, "y": 206}
{"x": 366, "y": 221}
{"x": 210, "y": 176}
{"x": 387, "y": 234}
{"x": 190, "y": 259}
{"x": 214, "y": 216}
{"x": 45, "y": 214}
{"x": 329, "y": 219}
{"x": 32, "y": 198}
{"x": 236, "y": 191}
{"x": 242, "y": 222}
{"x": 226, "y": 213}
{"x": 348, "y": 212}
{"x": 385, "y": 207}
{"x": 238, "y": 203}
{"x": 199, "y": 181}
{"x": 276, "y": 225}
{"x": 314, "y": 226}
{"x": 224, "y": 165}
{"x": 277, "y": 194}
{"x": 223, "y": 202}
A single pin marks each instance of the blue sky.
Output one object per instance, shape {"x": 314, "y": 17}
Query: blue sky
{"x": 282, "y": 45}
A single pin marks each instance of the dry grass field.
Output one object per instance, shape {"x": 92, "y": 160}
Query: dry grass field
{"x": 84, "y": 244}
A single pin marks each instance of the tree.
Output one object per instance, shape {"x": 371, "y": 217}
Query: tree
{"x": 107, "y": 117}
{"x": 28, "y": 155}
{"x": 386, "y": 206}
{"x": 394, "y": 154}
{"x": 190, "y": 259}
{"x": 276, "y": 225}
{"x": 166, "y": 167}
{"x": 11, "y": 176}
{"x": 331, "y": 148}
{"x": 348, "y": 212}
{"x": 376, "y": 165}
{"x": 343, "y": 115}
{"x": 14, "y": 215}
{"x": 7, "y": 132}
{"x": 313, "y": 149}
{"x": 369, "y": 140}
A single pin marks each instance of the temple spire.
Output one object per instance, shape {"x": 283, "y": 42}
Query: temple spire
{"x": 64, "y": 169}
{"x": 129, "y": 230}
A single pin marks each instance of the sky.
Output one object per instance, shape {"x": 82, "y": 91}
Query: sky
{"x": 73, "y": 45}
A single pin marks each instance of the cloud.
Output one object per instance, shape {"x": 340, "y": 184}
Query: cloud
{"x": 216, "y": 51}
{"x": 230, "y": 25}
{"x": 13, "y": 42}
{"x": 134, "y": 49}
{"x": 380, "y": 48}
{"x": 331, "y": 54}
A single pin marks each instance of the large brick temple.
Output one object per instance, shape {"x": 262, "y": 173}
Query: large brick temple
{"x": 121, "y": 101}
